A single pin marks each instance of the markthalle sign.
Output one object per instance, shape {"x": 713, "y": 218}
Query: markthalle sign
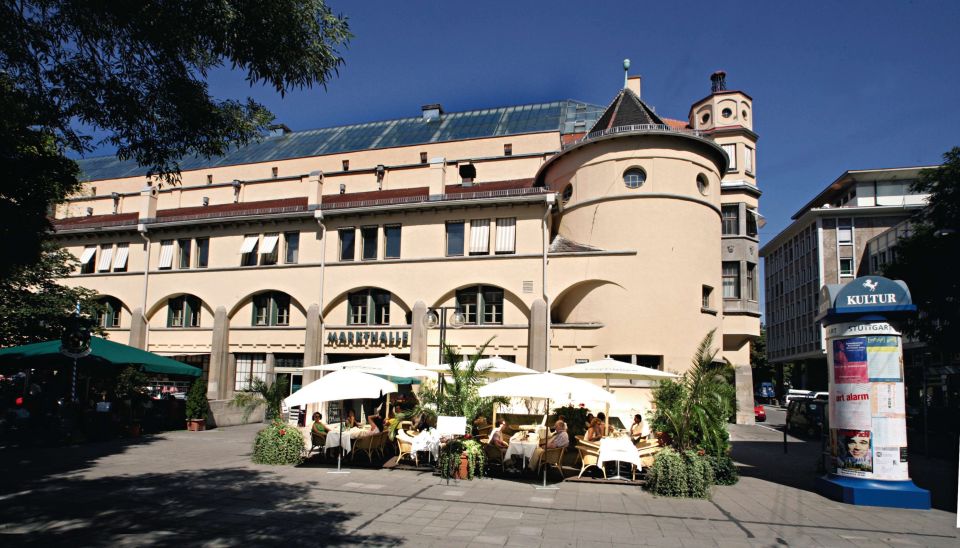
{"x": 390, "y": 339}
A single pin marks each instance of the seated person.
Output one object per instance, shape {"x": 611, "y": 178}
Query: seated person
{"x": 496, "y": 436}
{"x": 423, "y": 423}
{"x": 376, "y": 426}
{"x": 560, "y": 439}
{"x": 351, "y": 420}
{"x": 603, "y": 423}
{"x": 636, "y": 429}
{"x": 595, "y": 432}
{"x": 318, "y": 428}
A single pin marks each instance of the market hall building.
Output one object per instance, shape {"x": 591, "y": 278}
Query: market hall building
{"x": 560, "y": 231}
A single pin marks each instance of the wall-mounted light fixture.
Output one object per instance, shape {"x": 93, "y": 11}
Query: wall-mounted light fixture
{"x": 236, "y": 190}
{"x": 206, "y": 200}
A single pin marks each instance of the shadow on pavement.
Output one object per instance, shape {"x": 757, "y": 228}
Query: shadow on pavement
{"x": 220, "y": 506}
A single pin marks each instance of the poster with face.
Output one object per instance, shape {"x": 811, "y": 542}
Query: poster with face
{"x": 854, "y": 453}
{"x": 850, "y": 360}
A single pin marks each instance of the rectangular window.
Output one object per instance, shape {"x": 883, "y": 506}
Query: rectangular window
{"x": 248, "y": 251}
{"x": 391, "y": 244}
{"x": 752, "y": 222}
{"x": 844, "y": 231}
{"x": 748, "y": 159}
{"x": 261, "y": 309}
{"x": 508, "y": 149}
{"x": 280, "y": 311}
{"x": 203, "y": 252}
{"x": 467, "y": 301}
{"x": 166, "y": 255}
{"x": 846, "y": 267}
{"x": 250, "y": 367}
{"x": 423, "y": 157}
{"x": 506, "y": 235}
{"x": 492, "y": 305}
{"x": 731, "y": 280}
{"x": 270, "y": 251}
{"x": 454, "y": 238}
{"x": 347, "y": 244}
{"x": 291, "y": 252}
{"x": 480, "y": 236}
{"x": 731, "y": 219}
{"x": 358, "y": 308}
{"x": 184, "y": 256}
{"x": 106, "y": 257}
{"x": 183, "y": 311}
{"x": 381, "y": 307}
{"x": 120, "y": 261}
{"x": 88, "y": 259}
{"x": 369, "y": 236}
{"x": 751, "y": 281}
{"x": 346, "y": 165}
{"x": 706, "y": 296}
{"x": 731, "y": 151}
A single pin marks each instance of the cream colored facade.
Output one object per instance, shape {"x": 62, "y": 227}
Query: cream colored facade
{"x": 587, "y": 264}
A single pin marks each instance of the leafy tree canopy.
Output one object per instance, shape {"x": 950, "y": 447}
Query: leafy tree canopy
{"x": 36, "y": 308}
{"x": 922, "y": 257}
{"x": 135, "y": 72}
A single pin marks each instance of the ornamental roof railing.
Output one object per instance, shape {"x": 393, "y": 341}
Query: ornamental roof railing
{"x": 635, "y": 128}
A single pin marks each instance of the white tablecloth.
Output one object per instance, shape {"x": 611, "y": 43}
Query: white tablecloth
{"x": 619, "y": 449}
{"x": 428, "y": 440}
{"x": 333, "y": 439}
{"x": 520, "y": 448}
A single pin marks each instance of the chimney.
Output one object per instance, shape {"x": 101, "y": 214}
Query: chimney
{"x": 633, "y": 84}
{"x": 278, "y": 130}
{"x": 315, "y": 190}
{"x": 438, "y": 174}
{"x": 148, "y": 203}
{"x": 718, "y": 81}
{"x": 432, "y": 113}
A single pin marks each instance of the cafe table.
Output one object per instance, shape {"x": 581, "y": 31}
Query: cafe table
{"x": 618, "y": 449}
{"x": 522, "y": 445}
{"x": 427, "y": 441}
{"x": 333, "y": 438}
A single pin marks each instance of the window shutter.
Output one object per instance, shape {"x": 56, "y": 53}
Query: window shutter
{"x": 120, "y": 262}
{"x": 480, "y": 236}
{"x": 166, "y": 254}
{"x": 731, "y": 151}
{"x": 106, "y": 256}
{"x": 274, "y": 306}
{"x": 269, "y": 243}
{"x": 88, "y": 253}
{"x": 249, "y": 242}
{"x": 506, "y": 235}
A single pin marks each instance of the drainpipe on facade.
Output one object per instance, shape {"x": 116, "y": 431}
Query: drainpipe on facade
{"x": 549, "y": 201}
{"x": 318, "y": 215}
{"x": 142, "y": 229}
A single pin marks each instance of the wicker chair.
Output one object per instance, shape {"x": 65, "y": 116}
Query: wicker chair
{"x": 589, "y": 457}
{"x": 484, "y": 431}
{"x": 368, "y": 444}
{"x": 494, "y": 456}
{"x": 552, "y": 457}
{"x": 317, "y": 441}
{"x": 405, "y": 448}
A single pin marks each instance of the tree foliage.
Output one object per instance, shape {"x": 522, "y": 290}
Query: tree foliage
{"x": 134, "y": 74}
{"x": 35, "y": 307}
{"x": 693, "y": 411}
{"x": 921, "y": 257}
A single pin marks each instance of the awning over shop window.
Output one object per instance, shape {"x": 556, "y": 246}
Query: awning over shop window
{"x": 121, "y": 261}
{"x": 249, "y": 243}
{"x": 88, "y": 253}
{"x": 269, "y": 243}
{"x": 166, "y": 254}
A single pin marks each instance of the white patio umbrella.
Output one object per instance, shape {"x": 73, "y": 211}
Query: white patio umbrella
{"x": 609, "y": 368}
{"x": 546, "y": 386}
{"x": 494, "y": 367}
{"x": 341, "y": 385}
{"x": 388, "y": 366}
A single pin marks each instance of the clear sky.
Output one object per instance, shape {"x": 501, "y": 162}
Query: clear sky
{"x": 836, "y": 85}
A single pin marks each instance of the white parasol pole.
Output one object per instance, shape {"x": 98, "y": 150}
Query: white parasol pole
{"x": 546, "y": 431}
{"x": 340, "y": 449}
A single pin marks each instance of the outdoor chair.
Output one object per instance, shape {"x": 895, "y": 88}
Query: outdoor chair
{"x": 494, "y": 456}
{"x": 484, "y": 431}
{"x": 552, "y": 457}
{"x": 590, "y": 457}
{"x": 317, "y": 441}
{"x": 366, "y": 444}
{"x": 405, "y": 448}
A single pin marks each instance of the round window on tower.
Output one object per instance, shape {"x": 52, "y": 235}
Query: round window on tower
{"x": 703, "y": 184}
{"x": 634, "y": 177}
{"x": 567, "y": 193}
{"x": 705, "y": 118}
{"x": 744, "y": 115}
{"x": 726, "y": 113}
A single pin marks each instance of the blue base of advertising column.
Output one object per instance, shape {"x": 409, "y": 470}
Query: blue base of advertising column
{"x": 865, "y": 492}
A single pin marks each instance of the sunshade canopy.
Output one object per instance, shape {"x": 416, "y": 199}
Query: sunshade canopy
{"x": 494, "y": 367}
{"x": 608, "y": 368}
{"x": 341, "y": 385}
{"x": 559, "y": 388}
{"x": 389, "y": 365}
{"x": 102, "y": 351}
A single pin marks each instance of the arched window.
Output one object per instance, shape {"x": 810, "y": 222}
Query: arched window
{"x": 271, "y": 308}
{"x": 368, "y": 307}
{"x": 183, "y": 311}
{"x": 481, "y": 305}
{"x": 110, "y": 315}
{"x": 634, "y": 177}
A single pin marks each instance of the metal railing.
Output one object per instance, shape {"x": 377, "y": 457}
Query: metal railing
{"x": 635, "y": 128}
{"x": 436, "y": 198}
{"x": 238, "y": 213}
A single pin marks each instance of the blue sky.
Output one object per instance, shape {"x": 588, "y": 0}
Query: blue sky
{"x": 836, "y": 85}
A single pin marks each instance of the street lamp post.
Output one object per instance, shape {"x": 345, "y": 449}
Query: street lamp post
{"x": 437, "y": 317}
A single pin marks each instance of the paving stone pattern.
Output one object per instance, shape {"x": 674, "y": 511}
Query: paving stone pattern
{"x": 189, "y": 489}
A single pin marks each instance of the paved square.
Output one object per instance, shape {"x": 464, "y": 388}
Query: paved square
{"x": 183, "y": 488}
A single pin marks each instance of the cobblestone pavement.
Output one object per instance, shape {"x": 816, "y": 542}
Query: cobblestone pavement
{"x": 188, "y": 489}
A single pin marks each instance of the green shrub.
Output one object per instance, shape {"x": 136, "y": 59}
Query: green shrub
{"x": 686, "y": 474}
{"x": 278, "y": 443}
{"x": 724, "y": 470}
{"x": 699, "y": 475}
{"x": 197, "y": 400}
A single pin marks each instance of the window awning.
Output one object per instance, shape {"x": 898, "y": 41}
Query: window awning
{"x": 269, "y": 243}
{"x": 121, "y": 260}
{"x": 88, "y": 253}
{"x": 761, "y": 220}
{"x": 166, "y": 254}
{"x": 106, "y": 255}
{"x": 249, "y": 242}
{"x": 506, "y": 235}
{"x": 480, "y": 236}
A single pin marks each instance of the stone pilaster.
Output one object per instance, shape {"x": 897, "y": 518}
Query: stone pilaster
{"x": 418, "y": 334}
{"x": 311, "y": 345}
{"x": 537, "y": 336}
{"x": 138, "y": 329}
{"x": 744, "y": 380}
{"x": 219, "y": 382}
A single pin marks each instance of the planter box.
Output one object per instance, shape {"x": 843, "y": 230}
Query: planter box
{"x": 196, "y": 425}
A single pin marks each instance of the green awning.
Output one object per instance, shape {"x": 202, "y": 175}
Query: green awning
{"x": 102, "y": 351}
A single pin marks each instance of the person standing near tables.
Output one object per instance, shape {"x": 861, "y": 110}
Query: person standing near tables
{"x": 636, "y": 429}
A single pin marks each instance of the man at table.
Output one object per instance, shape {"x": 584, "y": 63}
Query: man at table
{"x": 496, "y": 437}
{"x": 560, "y": 439}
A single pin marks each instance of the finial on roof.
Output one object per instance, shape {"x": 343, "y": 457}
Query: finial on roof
{"x": 626, "y": 67}
{"x": 718, "y": 81}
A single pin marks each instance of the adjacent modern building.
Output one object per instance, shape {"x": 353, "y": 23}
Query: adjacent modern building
{"x": 827, "y": 243}
{"x": 559, "y": 232}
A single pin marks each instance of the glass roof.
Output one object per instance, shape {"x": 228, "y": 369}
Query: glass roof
{"x": 563, "y": 116}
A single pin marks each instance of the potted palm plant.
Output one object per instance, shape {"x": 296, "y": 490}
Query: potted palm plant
{"x": 261, "y": 393}
{"x": 196, "y": 408}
